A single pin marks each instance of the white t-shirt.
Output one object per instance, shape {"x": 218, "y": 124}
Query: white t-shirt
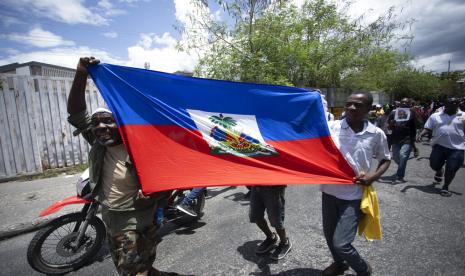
{"x": 329, "y": 116}
{"x": 448, "y": 131}
{"x": 358, "y": 149}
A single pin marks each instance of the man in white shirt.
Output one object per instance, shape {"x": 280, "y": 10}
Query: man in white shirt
{"x": 358, "y": 140}
{"x": 448, "y": 140}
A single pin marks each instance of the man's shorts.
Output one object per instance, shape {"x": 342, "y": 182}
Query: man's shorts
{"x": 271, "y": 199}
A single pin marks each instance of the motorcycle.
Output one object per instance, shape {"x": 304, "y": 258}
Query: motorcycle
{"x": 71, "y": 241}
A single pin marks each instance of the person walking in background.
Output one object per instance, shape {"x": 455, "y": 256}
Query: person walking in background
{"x": 402, "y": 122}
{"x": 382, "y": 123}
{"x": 372, "y": 115}
{"x": 186, "y": 204}
{"x": 447, "y": 128}
{"x": 271, "y": 199}
{"x": 358, "y": 140}
{"x": 379, "y": 110}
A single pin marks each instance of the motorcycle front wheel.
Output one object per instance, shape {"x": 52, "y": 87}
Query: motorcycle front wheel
{"x": 53, "y": 250}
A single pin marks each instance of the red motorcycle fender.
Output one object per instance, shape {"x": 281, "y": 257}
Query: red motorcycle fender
{"x": 55, "y": 207}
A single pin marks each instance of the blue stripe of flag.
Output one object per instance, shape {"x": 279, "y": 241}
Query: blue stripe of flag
{"x": 139, "y": 97}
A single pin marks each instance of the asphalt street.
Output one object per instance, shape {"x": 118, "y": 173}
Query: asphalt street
{"x": 423, "y": 232}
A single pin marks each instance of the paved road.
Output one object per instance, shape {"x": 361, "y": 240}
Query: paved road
{"x": 22, "y": 201}
{"x": 424, "y": 234}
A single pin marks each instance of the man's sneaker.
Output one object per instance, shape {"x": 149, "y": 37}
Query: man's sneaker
{"x": 368, "y": 272}
{"x": 267, "y": 244}
{"x": 281, "y": 250}
{"x": 438, "y": 176}
{"x": 336, "y": 268}
{"x": 186, "y": 208}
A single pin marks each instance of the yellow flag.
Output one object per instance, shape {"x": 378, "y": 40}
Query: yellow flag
{"x": 370, "y": 224}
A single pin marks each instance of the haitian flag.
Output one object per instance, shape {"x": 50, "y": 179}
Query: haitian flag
{"x": 184, "y": 132}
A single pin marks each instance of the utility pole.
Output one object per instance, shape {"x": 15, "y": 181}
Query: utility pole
{"x": 448, "y": 69}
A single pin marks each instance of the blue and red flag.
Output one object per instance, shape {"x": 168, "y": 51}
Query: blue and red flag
{"x": 184, "y": 132}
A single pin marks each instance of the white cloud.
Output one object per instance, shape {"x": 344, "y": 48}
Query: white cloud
{"x": 10, "y": 51}
{"x": 166, "y": 40}
{"x": 67, "y": 11}
{"x": 218, "y": 15}
{"x": 9, "y": 20}
{"x": 161, "y": 53}
{"x": 39, "y": 38}
{"x": 132, "y": 1}
{"x": 437, "y": 29}
{"x": 105, "y": 4}
{"x": 110, "y": 34}
{"x": 107, "y": 8}
{"x": 439, "y": 63}
{"x": 67, "y": 57}
{"x": 183, "y": 8}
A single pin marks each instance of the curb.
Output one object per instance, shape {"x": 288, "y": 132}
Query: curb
{"x": 20, "y": 229}
{"x": 24, "y": 228}
{"x": 42, "y": 175}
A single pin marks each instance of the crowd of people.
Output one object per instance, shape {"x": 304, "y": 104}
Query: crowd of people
{"x": 407, "y": 122}
{"x": 129, "y": 215}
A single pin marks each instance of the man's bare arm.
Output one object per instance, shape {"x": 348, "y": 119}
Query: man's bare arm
{"x": 424, "y": 132}
{"x": 368, "y": 179}
{"x": 76, "y": 98}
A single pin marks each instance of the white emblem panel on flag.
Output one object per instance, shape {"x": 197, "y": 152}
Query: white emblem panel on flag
{"x": 235, "y": 134}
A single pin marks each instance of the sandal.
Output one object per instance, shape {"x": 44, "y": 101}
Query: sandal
{"x": 445, "y": 193}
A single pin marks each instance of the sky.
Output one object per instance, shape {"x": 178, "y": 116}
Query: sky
{"x": 133, "y": 32}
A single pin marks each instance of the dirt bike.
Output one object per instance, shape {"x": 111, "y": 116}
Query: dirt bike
{"x": 71, "y": 241}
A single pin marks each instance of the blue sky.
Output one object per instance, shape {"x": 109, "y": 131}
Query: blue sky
{"x": 127, "y": 32}
{"x": 132, "y": 32}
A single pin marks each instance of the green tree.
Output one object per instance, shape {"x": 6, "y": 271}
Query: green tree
{"x": 413, "y": 83}
{"x": 317, "y": 45}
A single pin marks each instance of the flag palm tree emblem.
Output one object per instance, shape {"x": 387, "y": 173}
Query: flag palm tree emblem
{"x": 235, "y": 142}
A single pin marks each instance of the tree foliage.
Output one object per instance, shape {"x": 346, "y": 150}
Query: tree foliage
{"x": 413, "y": 83}
{"x": 316, "y": 45}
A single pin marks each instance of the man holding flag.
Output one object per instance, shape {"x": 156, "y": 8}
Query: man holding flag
{"x": 127, "y": 213}
{"x": 223, "y": 133}
{"x": 358, "y": 140}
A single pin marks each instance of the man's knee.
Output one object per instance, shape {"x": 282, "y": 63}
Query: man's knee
{"x": 405, "y": 152}
{"x": 135, "y": 251}
{"x": 435, "y": 163}
{"x": 341, "y": 246}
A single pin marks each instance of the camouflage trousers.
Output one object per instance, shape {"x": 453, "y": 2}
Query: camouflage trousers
{"x": 134, "y": 251}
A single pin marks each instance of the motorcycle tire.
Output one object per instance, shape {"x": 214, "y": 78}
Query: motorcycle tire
{"x": 36, "y": 253}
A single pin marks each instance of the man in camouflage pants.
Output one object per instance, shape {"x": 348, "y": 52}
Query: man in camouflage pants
{"x": 127, "y": 213}
{"x": 133, "y": 252}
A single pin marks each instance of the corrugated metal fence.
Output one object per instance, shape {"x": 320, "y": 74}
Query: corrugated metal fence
{"x": 35, "y": 134}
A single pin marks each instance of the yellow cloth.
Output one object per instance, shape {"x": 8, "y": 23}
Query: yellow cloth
{"x": 370, "y": 224}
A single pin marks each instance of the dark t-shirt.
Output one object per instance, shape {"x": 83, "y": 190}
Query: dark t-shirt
{"x": 403, "y": 132}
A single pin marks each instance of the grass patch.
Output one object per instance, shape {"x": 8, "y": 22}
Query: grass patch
{"x": 54, "y": 172}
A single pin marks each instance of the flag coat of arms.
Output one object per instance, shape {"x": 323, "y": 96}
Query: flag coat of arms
{"x": 185, "y": 132}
